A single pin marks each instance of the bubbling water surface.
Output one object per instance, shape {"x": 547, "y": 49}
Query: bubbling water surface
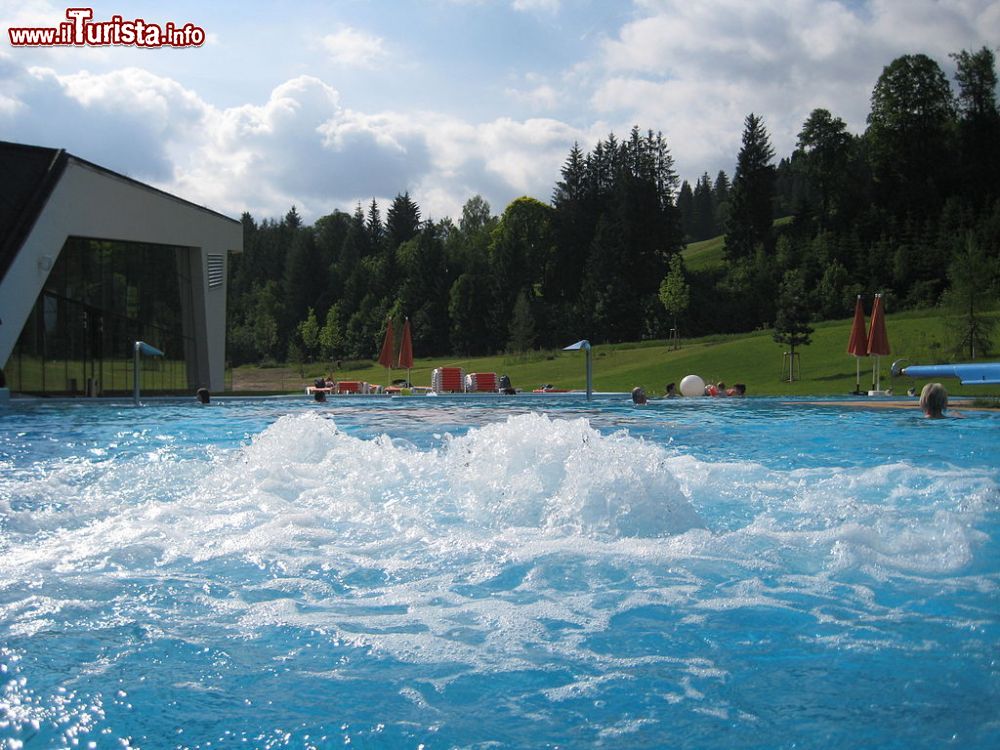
{"x": 496, "y": 573}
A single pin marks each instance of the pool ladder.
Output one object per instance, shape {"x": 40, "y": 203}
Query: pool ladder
{"x": 141, "y": 347}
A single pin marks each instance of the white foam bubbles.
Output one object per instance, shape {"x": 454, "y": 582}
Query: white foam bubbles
{"x": 461, "y": 552}
{"x": 563, "y": 475}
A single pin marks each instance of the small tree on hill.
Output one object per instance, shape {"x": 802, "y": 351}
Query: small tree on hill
{"x": 331, "y": 335}
{"x": 308, "y": 333}
{"x": 522, "y": 326}
{"x": 791, "y": 325}
{"x": 675, "y": 294}
{"x": 972, "y": 291}
{"x": 295, "y": 356}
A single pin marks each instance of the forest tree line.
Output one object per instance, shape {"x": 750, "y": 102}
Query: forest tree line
{"x": 910, "y": 207}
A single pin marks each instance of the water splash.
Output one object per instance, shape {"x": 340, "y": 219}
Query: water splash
{"x": 574, "y": 568}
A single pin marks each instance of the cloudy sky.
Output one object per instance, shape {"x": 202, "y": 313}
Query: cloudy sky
{"x": 323, "y": 104}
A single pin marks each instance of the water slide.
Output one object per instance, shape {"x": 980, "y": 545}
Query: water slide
{"x": 984, "y": 373}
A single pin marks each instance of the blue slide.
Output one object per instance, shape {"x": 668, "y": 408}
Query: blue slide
{"x": 986, "y": 373}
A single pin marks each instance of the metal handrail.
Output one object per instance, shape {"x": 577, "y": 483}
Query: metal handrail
{"x": 585, "y": 345}
{"x": 141, "y": 347}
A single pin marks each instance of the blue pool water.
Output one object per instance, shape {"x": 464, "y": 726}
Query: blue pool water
{"x": 497, "y": 573}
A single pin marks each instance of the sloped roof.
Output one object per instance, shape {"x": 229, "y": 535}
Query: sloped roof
{"x": 29, "y": 173}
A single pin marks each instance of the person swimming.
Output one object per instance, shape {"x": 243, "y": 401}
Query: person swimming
{"x": 318, "y": 394}
{"x": 638, "y": 395}
{"x": 934, "y": 400}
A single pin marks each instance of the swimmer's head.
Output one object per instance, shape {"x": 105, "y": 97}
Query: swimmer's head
{"x": 934, "y": 400}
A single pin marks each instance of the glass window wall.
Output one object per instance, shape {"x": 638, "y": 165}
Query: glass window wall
{"x": 100, "y": 298}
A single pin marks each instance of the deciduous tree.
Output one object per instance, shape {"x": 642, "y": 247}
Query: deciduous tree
{"x": 825, "y": 145}
{"x": 675, "y": 294}
{"x": 791, "y": 326}
{"x": 909, "y": 134}
{"x": 973, "y": 276}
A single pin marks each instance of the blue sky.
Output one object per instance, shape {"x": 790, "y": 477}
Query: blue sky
{"x": 324, "y": 104}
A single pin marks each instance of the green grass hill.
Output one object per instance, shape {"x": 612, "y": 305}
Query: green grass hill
{"x": 699, "y": 256}
{"x": 705, "y": 254}
{"x": 921, "y": 337}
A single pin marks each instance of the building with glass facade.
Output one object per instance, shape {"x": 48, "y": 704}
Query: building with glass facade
{"x": 92, "y": 261}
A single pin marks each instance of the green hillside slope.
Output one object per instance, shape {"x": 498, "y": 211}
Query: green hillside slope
{"x": 699, "y": 256}
{"x": 754, "y": 359}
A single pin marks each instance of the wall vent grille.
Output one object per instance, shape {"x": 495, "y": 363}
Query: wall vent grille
{"x": 216, "y": 270}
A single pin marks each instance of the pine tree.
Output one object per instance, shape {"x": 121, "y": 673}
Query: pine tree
{"x": 979, "y": 125}
{"x": 374, "y": 226}
{"x": 685, "y": 207}
{"x": 402, "y": 221}
{"x": 575, "y": 215}
{"x": 469, "y": 301}
{"x": 750, "y": 214}
{"x": 703, "y": 209}
{"x": 720, "y": 194}
{"x": 610, "y": 309}
{"x": 302, "y": 281}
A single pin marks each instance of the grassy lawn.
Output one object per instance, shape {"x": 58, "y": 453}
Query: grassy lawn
{"x": 113, "y": 375}
{"x": 699, "y": 256}
{"x": 754, "y": 359}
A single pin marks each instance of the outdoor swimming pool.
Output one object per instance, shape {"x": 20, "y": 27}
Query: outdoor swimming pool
{"x": 497, "y": 573}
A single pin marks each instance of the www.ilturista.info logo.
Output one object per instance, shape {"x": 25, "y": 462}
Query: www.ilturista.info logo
{"x": 80, "y": 30}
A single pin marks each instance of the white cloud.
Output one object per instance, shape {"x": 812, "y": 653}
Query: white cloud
{"x": 354, "y": 48}
{"x": 695, "y": 70}
{"x": 301, "y": 146}
{"x": 692, "y": 70}
{"x": 541, "y": 97}
{"x": 27, "y": 13}
{"x": 547, "y": 6}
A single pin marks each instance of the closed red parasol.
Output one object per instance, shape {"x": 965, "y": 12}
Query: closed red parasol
{"x": 406, "y": 350}
{"x": 858, "y": 343}
{"x": 388, "y": 344}
{"x": 878, "y": 338}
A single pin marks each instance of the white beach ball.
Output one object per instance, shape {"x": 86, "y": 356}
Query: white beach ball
{"x": 692, "y": 385}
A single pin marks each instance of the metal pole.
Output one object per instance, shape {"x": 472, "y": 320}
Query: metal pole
{"x": 585, "y": 345}
{"x": 141, "y": 347}
{"x": 135, "y": 374}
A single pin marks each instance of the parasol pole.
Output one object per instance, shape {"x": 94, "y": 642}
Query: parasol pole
{"x": 857, "y": 345}
{"x": 385, "y": 356}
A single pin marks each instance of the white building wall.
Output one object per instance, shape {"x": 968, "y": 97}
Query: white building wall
{"x": 92, "y": 203}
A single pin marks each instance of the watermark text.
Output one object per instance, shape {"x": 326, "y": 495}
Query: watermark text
{"x": 80, "y": 30}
